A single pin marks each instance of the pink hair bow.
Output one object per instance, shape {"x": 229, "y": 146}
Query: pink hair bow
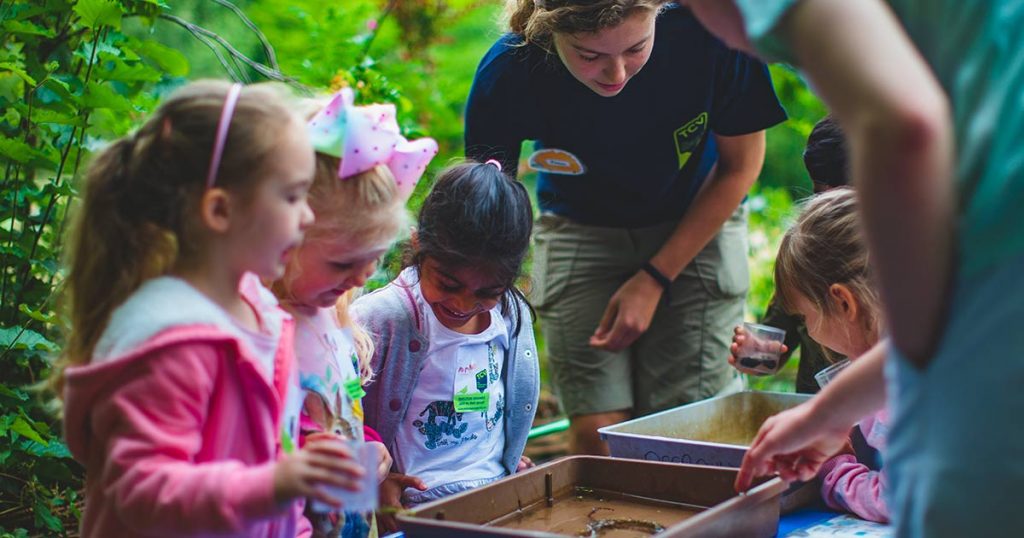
{"x": 366, "y": 136}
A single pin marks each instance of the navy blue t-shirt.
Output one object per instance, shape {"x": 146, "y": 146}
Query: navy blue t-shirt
{"x": 631, "y": 160}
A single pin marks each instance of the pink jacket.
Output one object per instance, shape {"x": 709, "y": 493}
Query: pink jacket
{"x": 178, "y": 428}
{"x": 851, "y": 486}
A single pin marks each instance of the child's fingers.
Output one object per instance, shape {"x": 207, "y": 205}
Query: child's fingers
{"x": 331, "y": 464}
{"x": 408, "y": 481}
{"x": 320, "y": 494}
{"x": 332, "y": 447}
{"x": 322, "y": 476}
{"x": 319, "y": 437}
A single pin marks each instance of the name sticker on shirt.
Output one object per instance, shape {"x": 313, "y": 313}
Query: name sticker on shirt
{"x": 354, "y": 388}
{"x": 467, "y": 403}
{"x": 556, "y": 161}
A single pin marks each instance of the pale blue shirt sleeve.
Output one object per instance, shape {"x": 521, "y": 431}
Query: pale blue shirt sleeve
{"x": 761, "y": 18}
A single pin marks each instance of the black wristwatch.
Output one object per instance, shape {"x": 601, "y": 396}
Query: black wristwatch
{"x": 660, "y": 278}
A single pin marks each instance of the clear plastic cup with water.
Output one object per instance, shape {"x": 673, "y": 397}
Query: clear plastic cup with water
{"x": 826, "y": 375}
{"x": 762, "y": 348}
{"x": 364, "y": 500}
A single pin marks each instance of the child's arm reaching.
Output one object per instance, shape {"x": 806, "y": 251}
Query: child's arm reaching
{"x": 156, "y": 429}
{"x": 851, "y": 486}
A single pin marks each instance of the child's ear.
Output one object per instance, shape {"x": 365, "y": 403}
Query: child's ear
{"x": 845, "y": 301}
{"x": 215, "y": 209}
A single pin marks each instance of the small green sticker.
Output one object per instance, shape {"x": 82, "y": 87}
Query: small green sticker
{"x": 354, "y": 388}
{"x": 467, "y": 403}
{"x": 287, "y": 445}
{"x": 481, "y": 380}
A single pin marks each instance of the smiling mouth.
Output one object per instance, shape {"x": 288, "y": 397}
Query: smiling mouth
{"x": 611, "y": 87}
{"x": 455, "y": 315}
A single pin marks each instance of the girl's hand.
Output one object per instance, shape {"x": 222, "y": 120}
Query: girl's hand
{"x": 385, "y": 460}
{"x": 629, "y": 313}
{"x": 738, "y": 339}
{"x": 391, "y": 498}
{"x": 794, "y": 444}
{"x": 524, "y": 464}
{"x": 324, "y": 460}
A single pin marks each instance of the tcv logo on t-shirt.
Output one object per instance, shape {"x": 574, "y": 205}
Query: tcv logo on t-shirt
{"x": 688, "y": 137}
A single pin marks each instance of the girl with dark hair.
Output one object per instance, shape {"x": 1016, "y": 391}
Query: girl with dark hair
{"x": 648, "y": 132}
{"x": 455, "y": 360}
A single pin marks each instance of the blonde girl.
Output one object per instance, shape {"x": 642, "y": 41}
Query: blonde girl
{"x": 823, "y": 275}
{"x": 365, "y": 172}
{"x": 175, "y": 370}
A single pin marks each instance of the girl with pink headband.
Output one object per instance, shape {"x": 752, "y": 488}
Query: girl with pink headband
{"x": 176, "y": 369}
{"x": 365, "y": 172}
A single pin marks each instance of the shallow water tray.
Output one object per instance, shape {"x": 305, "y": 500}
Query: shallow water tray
{"x": 717, "y": 431}
{"x": 606, "y": 497}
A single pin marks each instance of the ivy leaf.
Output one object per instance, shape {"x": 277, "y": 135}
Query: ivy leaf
{"x": 60, "y": 89}
{"x": 55, "y": 449}
{"x": 166, "y": 58}
{"x": 15, "y": 394}
{"x": 134, "y": 72}
{"x": 27, "y": 28}
{"x": 18, "y": 338}
{"x": 45, "y": 115}
{"x": 100, "y": 96}
{"x": 38, "y": 315}
{"x": 96, "y": 13}
{"x": 18, "y": 70}
{"x": 45, "y": 517}
{"x": 16, "y": 150}
{"x": 22, "y": 427}
{"x": 12, "y": 117}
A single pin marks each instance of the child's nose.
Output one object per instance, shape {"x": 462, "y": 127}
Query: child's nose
{"x": 307, "y": 217}
{"x": 363, "y": 275}
{"x": 467, "y": 303}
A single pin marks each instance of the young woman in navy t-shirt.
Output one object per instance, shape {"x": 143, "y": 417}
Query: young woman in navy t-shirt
{"x": 648, "y": 132}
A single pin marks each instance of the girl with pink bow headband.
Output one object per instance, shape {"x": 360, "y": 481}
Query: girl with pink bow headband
{"x": 365, "y": 172}
{"x": 367, "y": 136}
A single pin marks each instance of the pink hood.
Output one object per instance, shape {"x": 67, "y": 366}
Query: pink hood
{"x": 175, "y": 422}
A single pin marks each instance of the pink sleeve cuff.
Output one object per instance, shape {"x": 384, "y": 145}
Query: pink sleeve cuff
{"x": 369, "y": 434}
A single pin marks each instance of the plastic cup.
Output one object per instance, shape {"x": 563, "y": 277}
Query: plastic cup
{"x": 826, "y": 375}
{"x": 762, "y": 349}
{"x": 364, "y": 500}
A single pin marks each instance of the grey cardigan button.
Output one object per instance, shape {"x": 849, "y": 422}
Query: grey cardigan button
{"x": 395, "y": 405}
{"x": 414, "y": 346}
{"x": 529, "y": 407}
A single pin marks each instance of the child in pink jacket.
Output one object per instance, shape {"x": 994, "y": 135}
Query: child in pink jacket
{"x": 177, "y": 368}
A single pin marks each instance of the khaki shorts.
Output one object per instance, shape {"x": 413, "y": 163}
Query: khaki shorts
{"x": 683, "y": 355}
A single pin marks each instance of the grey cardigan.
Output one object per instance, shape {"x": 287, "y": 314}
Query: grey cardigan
{"x": 400, "y": 346}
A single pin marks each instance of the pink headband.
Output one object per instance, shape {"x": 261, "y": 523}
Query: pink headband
{"x": 222, "y": 133}
{"x": 367, "y": 136}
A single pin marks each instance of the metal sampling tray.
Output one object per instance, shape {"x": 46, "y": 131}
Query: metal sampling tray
{"x": 606, "y": 497}
{"x": 716, "y": 431}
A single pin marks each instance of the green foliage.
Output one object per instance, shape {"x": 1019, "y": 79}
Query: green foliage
{"x": 69, "y": 80}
